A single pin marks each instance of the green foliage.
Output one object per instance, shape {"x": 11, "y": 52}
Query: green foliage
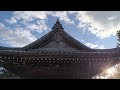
{"x": 8, "y": 75}
{"x": 118, "y": 35}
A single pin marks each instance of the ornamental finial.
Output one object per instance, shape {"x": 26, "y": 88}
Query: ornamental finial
{"x": 57, "y": 20}
{"x": 57, "y": 25}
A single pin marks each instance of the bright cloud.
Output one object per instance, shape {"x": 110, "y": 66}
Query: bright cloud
{"x": 39, "y": 26}
{"x": 16, "y": 38}
{"x": 26, "y": 16}
{"x": 63, "y": 15}
{"x": 101, "y": 23}
{"x": 94, "y": 46}
{"x": 23, "y": 25}
{"x": 11, "y": 21}
{"x": 101, "y": 47}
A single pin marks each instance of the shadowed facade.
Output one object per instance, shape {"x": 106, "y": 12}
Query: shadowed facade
{"x": 57, "y": 55}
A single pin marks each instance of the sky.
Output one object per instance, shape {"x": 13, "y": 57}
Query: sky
{"x": 95, "y": 29}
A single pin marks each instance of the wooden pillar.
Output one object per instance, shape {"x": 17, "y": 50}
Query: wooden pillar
{"x": 89, "y": 70}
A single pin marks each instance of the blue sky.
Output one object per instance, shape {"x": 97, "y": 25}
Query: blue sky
{"x": 96, "y": 29}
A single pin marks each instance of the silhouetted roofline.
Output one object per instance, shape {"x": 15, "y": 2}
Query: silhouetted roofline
{"x": 57, "y": 28}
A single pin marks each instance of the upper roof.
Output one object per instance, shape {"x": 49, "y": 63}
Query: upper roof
{"x": 57, "y": 38}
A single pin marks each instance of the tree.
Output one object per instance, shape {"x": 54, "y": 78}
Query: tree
{"x": 5, "y": 74}
{"x": 118, "y": 34}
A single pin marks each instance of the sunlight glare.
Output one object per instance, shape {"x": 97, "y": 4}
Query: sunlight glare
{"x": 111, "y": 71}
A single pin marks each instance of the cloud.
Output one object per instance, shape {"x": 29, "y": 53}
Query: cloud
{"x": 17, "y": 37}
{"x": 11, "y": 20}
{"x": 26, "y": 16}
{"x": 2, "y": 25}
{"x": 103, "y": 24}
{"x": 95, "y": 46}
{"x": 39, "y": 26}
{"x": 37, "y": 20}
{"x": 22, "y": 38}
{"x": 91, "y": 45}
{"x": 34, "y": 21}
{"x": 101, "y": 47}
{"x": 63, "y": 15}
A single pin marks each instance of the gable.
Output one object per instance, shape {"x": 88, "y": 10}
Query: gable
{"x": 54, "y": 44}
{"x": 56, "y": 38}
{"x": 57, "y": 41}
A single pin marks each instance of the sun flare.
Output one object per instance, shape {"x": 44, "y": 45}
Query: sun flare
{"x": 111, "y": 71}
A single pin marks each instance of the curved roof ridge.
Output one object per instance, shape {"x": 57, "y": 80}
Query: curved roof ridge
{"x": 57, "y": 28}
